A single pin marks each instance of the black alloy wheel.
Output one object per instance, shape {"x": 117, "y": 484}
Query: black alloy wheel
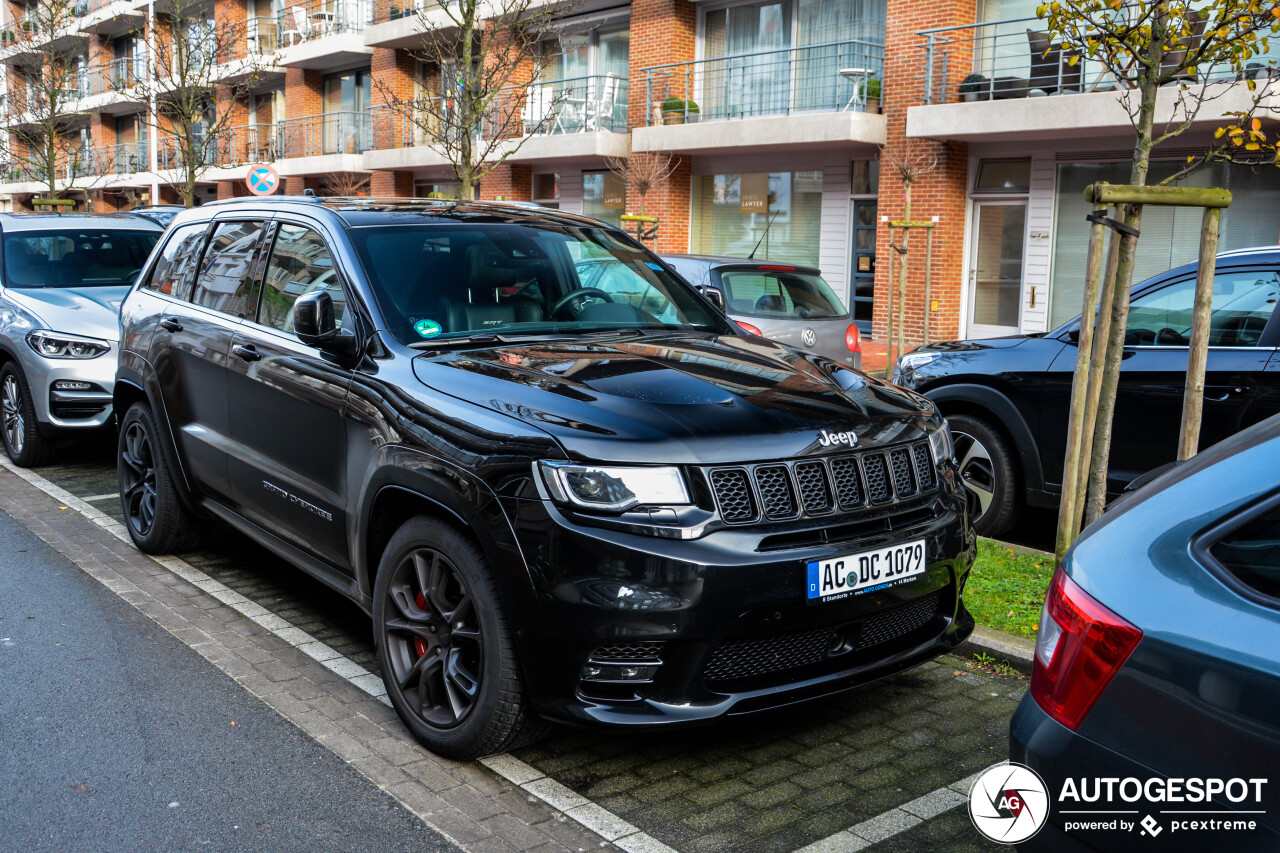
{"x": 446, "y": 652}
{"x": 157, "y": 521}
{"x": 434, "y": 641}
{"x": 137, "y": 479}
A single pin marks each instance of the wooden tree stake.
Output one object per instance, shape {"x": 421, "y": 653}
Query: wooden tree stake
{"x": 1193, "y": 399}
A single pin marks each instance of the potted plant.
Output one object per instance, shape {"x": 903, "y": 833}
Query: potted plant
{"x": 972, "y": 86}
{"x": 677, "y": 110}
{"x": 870, "y": 90}
{"x": 6, "y": 37}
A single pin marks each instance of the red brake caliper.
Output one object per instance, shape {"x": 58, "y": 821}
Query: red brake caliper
{"x": 419, "y": 644}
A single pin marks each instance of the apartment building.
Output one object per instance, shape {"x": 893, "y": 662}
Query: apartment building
{"x": 775, "y": 116}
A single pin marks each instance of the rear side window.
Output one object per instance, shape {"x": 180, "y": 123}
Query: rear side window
{"x": 227, "y": 281}
{"x": 300, "y": 263}
{"x": 769, "y": 293}
{"x": 175, "y": 270}
{"x": 1251, "y": 553}
{"x": 1242, "y": 305}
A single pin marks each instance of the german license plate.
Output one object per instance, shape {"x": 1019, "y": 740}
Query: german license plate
{"x": 841, "y": 577}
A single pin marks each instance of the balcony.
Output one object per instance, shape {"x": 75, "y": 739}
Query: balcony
{"x": 1008, "y": 79}
{"x": 395, "y": 23}
{"x": 124, "y": 159}
{"x": 117, "y": 77}
{"x": 737, "y": 101}
{"x": 113, "y": 17}
{"x": 246, "y": 145}
{"x": 331, "y": 137}
{"x": 564, "y": 119}
{"x": 324, "y": 34}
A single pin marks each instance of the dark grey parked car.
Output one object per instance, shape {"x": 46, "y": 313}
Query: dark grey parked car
{"x": 783, "y": 302}
{"x": 1158, "y": 660}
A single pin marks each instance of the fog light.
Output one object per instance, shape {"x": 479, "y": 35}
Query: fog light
{"x": 71, "y": 385}
{"x": 608, "y": 672}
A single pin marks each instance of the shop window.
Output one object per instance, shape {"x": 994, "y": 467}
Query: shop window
{"x": 546, "y": 189}
{"x": 604, "y": 196}
{"x": 780, "y": 211}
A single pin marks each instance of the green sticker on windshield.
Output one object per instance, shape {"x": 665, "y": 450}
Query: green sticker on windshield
{"x": 427, "y": 328}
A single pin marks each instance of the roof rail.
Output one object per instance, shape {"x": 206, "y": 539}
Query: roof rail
{"x": 302, "y": 199}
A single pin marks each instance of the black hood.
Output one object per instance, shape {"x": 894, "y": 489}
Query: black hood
{"x": 678, "y": 398}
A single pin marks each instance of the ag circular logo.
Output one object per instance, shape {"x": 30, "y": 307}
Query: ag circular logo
{"x": 1009, "y": 803}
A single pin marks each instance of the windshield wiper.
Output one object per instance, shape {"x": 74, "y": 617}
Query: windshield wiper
{"x": 489, "y": 338}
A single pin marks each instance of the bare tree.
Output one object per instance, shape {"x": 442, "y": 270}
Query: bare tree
{"x": 642, "y": 172}
{"x": 43, "y": 144}
{"x": 910, "y": 162}
{"x": 344, "y": 184}
{"x": 485, "y": 57}
{"x": 201, "y": 76}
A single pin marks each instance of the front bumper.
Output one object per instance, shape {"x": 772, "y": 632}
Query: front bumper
{"x": 720, "y": 627}
{"x": 66, "y": 410}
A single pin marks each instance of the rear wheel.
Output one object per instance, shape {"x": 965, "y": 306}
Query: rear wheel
{"x": 158, "y": 523}
{"x": 23, "y": 442}
{"x": 446, "y": 653}
{"x": 989, "y": 469}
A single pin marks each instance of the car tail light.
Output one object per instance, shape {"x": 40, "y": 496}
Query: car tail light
{"x": 1081, "y": 646}
{"x": 853, "y": 339}
{"x": 749, "y": 329}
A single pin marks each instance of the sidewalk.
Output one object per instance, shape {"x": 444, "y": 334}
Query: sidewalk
{"x": 873, "y": 356}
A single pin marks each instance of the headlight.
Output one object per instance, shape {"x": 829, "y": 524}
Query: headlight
{"x": 611, "y": 488}
{"x": 940, "y": 443}
{"x": 61, "y": 345}
{"x": 910, "y": 362}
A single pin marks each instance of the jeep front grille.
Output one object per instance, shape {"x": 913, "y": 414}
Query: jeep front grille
{"x": 779, "y": 491}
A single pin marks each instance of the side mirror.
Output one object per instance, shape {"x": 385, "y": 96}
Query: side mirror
{"x": 1073, "y": 335}
{"x": 714, "y": 296}
{"x": 313, "y": 323}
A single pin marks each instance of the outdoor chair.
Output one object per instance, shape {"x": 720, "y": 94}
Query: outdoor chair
{"x": 601, "y": 106}
{"x": 1175, "y": 58}
{"x": 1050, "y": 67}
{"x": 301, "y": 27}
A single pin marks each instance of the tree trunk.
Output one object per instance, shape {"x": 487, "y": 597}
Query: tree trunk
{"x": 1078, "y": 420}
{"x": 1193, "y": 397}
{"x": 902, "y": 278}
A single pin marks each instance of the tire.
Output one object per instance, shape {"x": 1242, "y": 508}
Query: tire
{"x": 444, "y": 647}
{"x": 157, "y": 521}
{"x": 23, "y": 442}
{"x": 989, "y": 469}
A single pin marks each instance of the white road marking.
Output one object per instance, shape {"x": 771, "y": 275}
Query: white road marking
{"x": 599, "y": 820}
{"x": 96, "y": 498}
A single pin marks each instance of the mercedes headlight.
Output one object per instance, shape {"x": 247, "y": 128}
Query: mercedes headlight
{"x": 941, "y": 445}
{"x": 61, "y": 345}
{"x": 911, "y": 362}
{"x": 613, "y": 488}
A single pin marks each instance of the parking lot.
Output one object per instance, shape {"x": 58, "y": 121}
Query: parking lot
{"x": 781, "y": 781}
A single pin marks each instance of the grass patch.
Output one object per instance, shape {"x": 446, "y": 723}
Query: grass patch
{"x": 1006, "y": 588}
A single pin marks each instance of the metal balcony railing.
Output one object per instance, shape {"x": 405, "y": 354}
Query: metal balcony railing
{"x": 815, "y": 78}
{"x": 394, "y": 10}
{"x": 245, "y": 145}
{"x": 313, "y": 19}
{"x": 170, "y": 152}
{"x": 124, "y": 159}
{"x": 578, "y": 105}
{"x": 331, "y": 133}
{"x": 1019, "y": 58}
{"x": 119, "y": 75}
{"x": 259, "y": 36}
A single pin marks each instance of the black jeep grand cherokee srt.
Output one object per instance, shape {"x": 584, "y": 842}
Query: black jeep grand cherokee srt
{"x": 554, "y": 502}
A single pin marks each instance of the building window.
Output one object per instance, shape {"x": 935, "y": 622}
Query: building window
{"x": 864, "y": 177}
{"x": 732, "y": 213}
{"x": 604, "y": 196}
{"x": 1003, "y": 176}
{"x": 546, "y": 189}
{"x": 1170, "y": 235}
{"x": 347, "y": 99}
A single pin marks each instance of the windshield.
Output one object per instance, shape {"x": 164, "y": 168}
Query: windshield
{"x": 75, "y": 257}
{"x": 443, "y": 281}
{"x": 779, "y": 293}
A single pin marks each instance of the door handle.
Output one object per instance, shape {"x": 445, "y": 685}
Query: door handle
{"x": 246, "y": 353}
{"x": 170, "y": 325}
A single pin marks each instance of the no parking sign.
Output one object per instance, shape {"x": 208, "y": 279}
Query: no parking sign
{"x": 262, "y": 179}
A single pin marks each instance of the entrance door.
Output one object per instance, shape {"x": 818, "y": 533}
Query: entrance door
{"x": 995, "y": 269}
{"x": 862, "y": 273}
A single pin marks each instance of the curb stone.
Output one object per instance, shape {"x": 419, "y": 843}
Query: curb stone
{"x": 1018, "y": 651}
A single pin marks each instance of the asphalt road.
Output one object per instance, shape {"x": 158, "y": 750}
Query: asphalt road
{"x": 116, "y": 736}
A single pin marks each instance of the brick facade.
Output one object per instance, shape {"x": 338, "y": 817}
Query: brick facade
{"x": 510, "y": 182}
{"x": 941, "y": 193}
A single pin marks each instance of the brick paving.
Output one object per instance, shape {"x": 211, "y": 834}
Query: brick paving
{"x": 773, "y": 782}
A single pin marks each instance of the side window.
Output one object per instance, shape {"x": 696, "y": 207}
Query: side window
{"x": 175, "y": 269}
{"x": 300, "y": 263}
{"x": 1242, "y": 304}
{"x": 227, "y": 282}
{"x": 1252, "y": 553}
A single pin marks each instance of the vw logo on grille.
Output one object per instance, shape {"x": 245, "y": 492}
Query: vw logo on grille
{"x": 809, "y": 337}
